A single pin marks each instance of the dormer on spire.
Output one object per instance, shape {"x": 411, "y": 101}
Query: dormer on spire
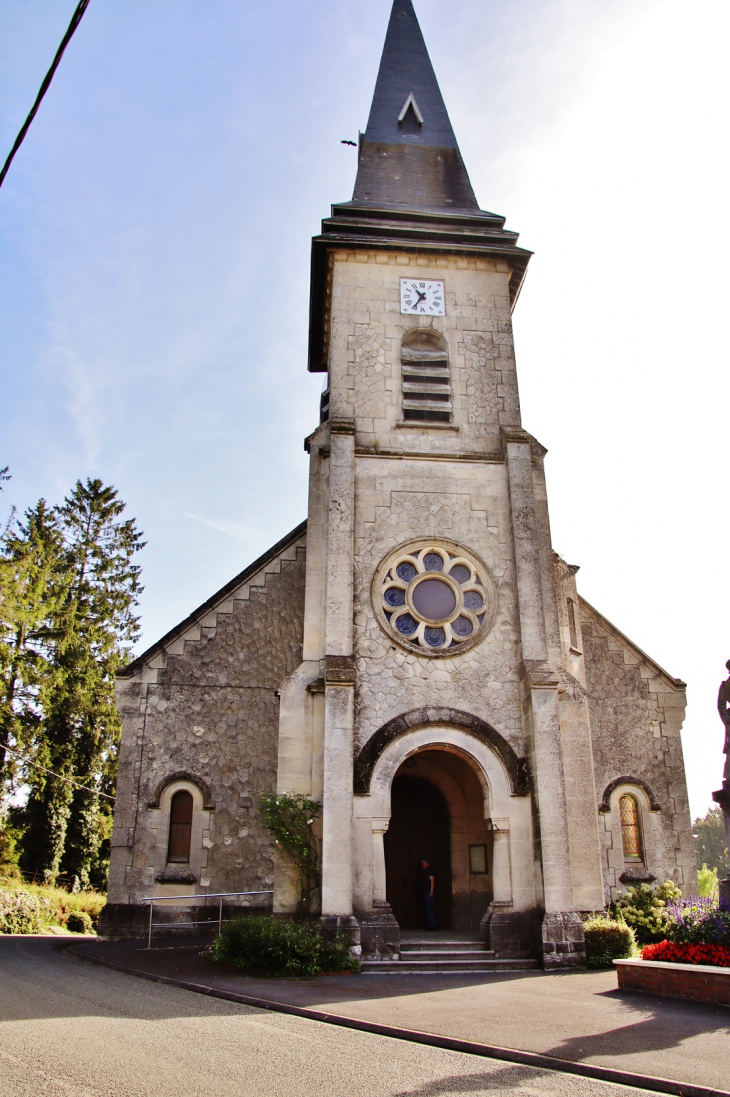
{"x": 409, "y": 157}
{"x": 412, "y": 106}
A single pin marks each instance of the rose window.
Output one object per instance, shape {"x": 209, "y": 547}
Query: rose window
{"x": 434, "y": 597}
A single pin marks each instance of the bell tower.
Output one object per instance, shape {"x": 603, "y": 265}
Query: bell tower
{"x": 432, "y": 626}
{"x": 492, "y": 755}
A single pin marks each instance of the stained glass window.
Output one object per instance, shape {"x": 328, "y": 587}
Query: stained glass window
{"x": 406, "y": 624}
{"x": 435, "y": 597}
{"x": 630, "y": 832}
{"x": 462, "y": 626}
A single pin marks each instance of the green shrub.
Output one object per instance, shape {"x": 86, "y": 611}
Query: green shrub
{"x": 21, "y": 912}
{"x": 608, "y": 939}
{"x": 644, "y": 909}
{"x": 708, "y": 883}
{"x": 279, "y": 947}
{"x": 79, "y": 921}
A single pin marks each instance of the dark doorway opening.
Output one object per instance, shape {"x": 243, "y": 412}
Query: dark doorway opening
{"x": 420, "y": 826}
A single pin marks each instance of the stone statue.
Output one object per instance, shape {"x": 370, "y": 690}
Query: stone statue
{"x": 722, "y": 796}
{"x": 723, "y": 707}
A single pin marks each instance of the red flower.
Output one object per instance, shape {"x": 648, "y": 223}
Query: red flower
{"x": 671, "y": 953}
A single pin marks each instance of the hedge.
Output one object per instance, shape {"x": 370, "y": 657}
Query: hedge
{"x": 277, "y": 946}
{"x": 607, "y": 940}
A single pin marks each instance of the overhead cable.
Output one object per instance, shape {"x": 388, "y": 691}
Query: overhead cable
{"x": 75, "y": 20}
{"x": 27, "y": 762}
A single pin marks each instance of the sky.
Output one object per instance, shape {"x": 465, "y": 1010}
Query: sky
{"x": 154, "y": 277}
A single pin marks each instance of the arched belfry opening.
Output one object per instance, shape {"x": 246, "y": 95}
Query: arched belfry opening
{"x": 426, "y": 376}
{"x": 437, "y": 813}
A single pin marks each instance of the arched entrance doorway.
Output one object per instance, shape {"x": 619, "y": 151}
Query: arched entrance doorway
{"x": 437, "y": 812}
{"x": 420, "y": 827}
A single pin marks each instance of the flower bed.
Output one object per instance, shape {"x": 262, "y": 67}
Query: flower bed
{"x": 697, "y": 982}
{"x": 672, "y": 952}
{"x": 693, "y": 962}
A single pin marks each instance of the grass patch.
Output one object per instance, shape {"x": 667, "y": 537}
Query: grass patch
{"x": 46, "y": 907}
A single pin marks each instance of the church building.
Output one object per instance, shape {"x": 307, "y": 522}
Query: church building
{"x": 415, "y": 656}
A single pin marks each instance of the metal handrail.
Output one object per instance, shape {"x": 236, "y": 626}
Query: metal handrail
{"x": 220, "y": 895}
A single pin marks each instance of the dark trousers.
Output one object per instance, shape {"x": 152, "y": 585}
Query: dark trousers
{"x": 430, "y": 912}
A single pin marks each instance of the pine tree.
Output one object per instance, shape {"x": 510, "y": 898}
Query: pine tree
{"x": 93, "y": 628}
{"x": 33, "y": 579}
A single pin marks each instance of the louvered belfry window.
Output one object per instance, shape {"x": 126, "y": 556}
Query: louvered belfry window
{"x": 630, "y": 831}
{"x": 181, "y": 828}
{"x": 426, "y": 377}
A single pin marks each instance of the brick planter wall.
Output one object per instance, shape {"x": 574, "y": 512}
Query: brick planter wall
{"x": 699, "y": 982}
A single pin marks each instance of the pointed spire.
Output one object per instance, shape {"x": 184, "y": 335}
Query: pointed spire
{"x": 409, "y": 158}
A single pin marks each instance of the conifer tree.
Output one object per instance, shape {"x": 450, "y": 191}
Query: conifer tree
{"x": 93, "y": 628}
{"x": 33, "y": 579}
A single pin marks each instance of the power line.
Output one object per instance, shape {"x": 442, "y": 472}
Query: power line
{"x": 75, "y": 20}
{"x": 27, "y": 762}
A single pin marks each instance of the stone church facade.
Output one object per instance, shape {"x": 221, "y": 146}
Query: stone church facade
{"x": 415, "y": 656}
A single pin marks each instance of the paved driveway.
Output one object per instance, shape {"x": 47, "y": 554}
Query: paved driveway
{"x": 71, "y": 1030}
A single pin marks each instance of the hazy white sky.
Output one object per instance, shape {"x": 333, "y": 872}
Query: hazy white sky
{"x": 154, "y": 269}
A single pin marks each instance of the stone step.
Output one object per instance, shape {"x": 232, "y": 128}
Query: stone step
{"x": 443, "y": 966}
{"x": 443, "y": 954}
{"x": 428, "y": 944}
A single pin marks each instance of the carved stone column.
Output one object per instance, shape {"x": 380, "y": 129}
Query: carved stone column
{"x": 508, "y": 933}
{"x": 339, "y": 681}
{"x": 380, "y": 826}
{"x": 379, "y": 931}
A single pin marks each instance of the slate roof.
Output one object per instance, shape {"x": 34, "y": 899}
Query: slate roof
{"x": 411, "y": 159}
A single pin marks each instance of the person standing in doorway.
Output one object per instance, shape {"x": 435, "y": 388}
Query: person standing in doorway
{"x": 427, "y": 886}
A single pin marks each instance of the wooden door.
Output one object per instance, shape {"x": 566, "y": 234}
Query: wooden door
{"x": 420, "y": 827}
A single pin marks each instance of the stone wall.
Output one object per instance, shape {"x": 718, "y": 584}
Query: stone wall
{"x": 636, "y": 712}
{"x": 407, "y": 500}
{"x": 202, "y": 710}
{"x": 365, "y": 354}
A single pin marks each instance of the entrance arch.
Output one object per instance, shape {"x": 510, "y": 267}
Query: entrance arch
{"x": 420, "y": 828}
{"x": 437, "y": 812}
{"x": 487, "y": 806}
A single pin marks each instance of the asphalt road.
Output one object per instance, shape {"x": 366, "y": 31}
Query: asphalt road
{"x": 68, "y": 1029}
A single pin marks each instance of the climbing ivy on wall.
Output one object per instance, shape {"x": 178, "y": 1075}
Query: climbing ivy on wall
{"x": 289, "y": 818}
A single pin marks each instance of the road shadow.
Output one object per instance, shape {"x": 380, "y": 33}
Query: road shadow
{"x": 39, "y": 980}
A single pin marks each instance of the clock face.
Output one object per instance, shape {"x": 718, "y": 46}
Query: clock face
{"x": 421, "y": 298}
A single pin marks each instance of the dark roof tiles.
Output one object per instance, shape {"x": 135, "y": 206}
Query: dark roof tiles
{"x": 410, "y": 159}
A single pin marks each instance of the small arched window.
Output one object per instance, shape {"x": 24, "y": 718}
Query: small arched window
{"x": 426, "y": 380}
{"x": 181, "y": 828}
{"x": 630, "y": 828}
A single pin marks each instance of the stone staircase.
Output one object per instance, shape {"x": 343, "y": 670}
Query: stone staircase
{"x": 443, "y": 954}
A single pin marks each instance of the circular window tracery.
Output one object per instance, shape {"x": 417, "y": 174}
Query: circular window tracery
{"x": 434, "y": 597}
